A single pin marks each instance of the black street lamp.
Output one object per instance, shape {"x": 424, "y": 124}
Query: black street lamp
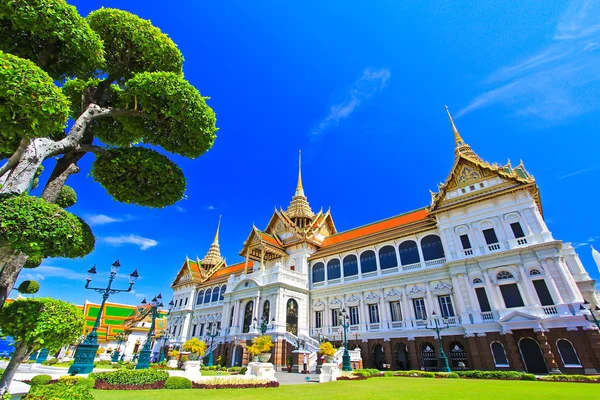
{"x": 438, "y": 324}
{"x": 86, "y": 351}
{"x": 155, "y": 310}
{"x": 587, "y": 313}
{"x": 345, "y": 323}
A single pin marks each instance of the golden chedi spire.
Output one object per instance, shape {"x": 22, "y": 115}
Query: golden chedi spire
{"x": 461, "y": 149}
{"x": 299, "y": 209}
{"x": 213, "y": 257}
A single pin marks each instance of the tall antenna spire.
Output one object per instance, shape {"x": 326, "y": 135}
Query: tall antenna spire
{"x": 217, "y": 234}
{"x": 457, "y": 139}
{"x": 299, "y": 188}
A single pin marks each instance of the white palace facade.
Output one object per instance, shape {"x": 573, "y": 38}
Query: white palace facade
{"x": 480, "y": 257}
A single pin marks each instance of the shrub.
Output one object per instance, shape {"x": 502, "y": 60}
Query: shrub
{"x": 388, "y": 373}
{"x": 78, "y": 380}
{"x": 195, "y": 346}
{"x": 50, "y": 361}
{"x": 528, "y": 377}
{"x": 507, "y": 375}
{"x": 212, "y": 368}
{"x": 414, "y": 373}
{"x": 327, "y": 349}
{"x": 131, "y": 377}
{"x": 243, "y": 370}
{"x": 234, "y": 369}
{"x": 453, "y": 375}
{"x": 571, "y": 378}
{"x": 362, "y": 373}
{"x": 178, "y": 382}
{"x": 40, "y": 380}
{"x": 59, "y": 391}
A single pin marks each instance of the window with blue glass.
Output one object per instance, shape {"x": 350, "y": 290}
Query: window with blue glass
{"x": 200, "y": 297}
{"x": 207, "y": 296}
{"x": 215, "y": 296}
{"x": 350, "y": 265}
{"x": 223, "y": 289}
{"x": 387, "y": 257}
{"x": 333, "y": 269}
{"x": 409, "y": 253}
{"x": 318, "y": 272}
{"x": 432, "y": 248}
{"x": 368, "y": 262}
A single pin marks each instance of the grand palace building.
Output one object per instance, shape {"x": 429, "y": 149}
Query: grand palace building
{"x": 479, "y": 259}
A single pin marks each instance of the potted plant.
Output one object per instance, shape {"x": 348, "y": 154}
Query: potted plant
{"x": 260, "y": 348}
{"x": 173, "y": 354}
{"x": 196, "y": 347}
{"x": 328, "y": 351}
{"x": 289, "y": 363}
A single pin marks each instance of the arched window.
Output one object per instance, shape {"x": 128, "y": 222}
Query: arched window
{"x": 477, "y": 280}
{"x": 387, "y": 257}
{"x": 535, "y": 272}
{"x": 223, "y": 289}
{"x": 350, "y": 265}
{"x": 333, "y": 269}
{"x": 567, "y": 353}
{"x": 291, "y": 318}
{"x": 428, "y": 356}
{"x": 248, "y": 316}
{"x": 409, "y": 253}
{"x": 207, "y": 296}
{"x": 200, "y": 298}
{"x": 318, "y": 272}
{"x": 458, "y": 355}
{"x": 266, "y": 311}
{"x": 504, "y": 275}
{"x": 368, "y": 262}
{"x": 215, "y": 295}
{"x": 499, "y": 354}
{"x": 432, "y": 248}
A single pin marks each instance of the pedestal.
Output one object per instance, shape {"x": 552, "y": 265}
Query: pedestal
{"x": 143, "y": 360}
{"x": 261, "y": 370}
{"x": 329, "y": 372}
{"x": 84, "y": 359}
{"x": 172, "y": 363}
{"x": 115, "y": 356}
{"x": 298, "y": 361}
{"x": 192, "y": 370}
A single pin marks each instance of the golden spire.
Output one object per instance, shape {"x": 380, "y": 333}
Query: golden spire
{"x": 217, "y": 234}
{"x": 461, "y": 147}
{"x": 299, "y": 188}
{"x": 213, "y": 257}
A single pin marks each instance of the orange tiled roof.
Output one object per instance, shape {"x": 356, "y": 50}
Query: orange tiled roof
{"x": 232, "y": 269}
{"x": 270, "y": 239}
{"x": 376, "y": 227}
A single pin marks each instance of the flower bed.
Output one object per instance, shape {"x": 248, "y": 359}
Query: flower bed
{"x": 570, "y": 378}
{"x": 235, "y": 383}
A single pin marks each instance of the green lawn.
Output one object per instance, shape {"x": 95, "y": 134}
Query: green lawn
{"x": 214, "y": 373}
{"x": 380, "y": 389}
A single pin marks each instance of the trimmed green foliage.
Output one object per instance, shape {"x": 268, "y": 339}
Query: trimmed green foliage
{"x": 423, "y": 374}
{"x": 28, "y": 287}
{"x": 388, "y": 373}
{"x": 30, "y": 103}
{"x": 67, "y": 197}
{"x": 570, "y": 378}
{"x": 33, "y": 261}
{"x": 40, "y": 380}
{"x": 453, "y": 375}
{"x": 78, "y": 380}
{"x": 178, "y": 382}
{"x": 490, "y": 374}
{"x": 528, "y": 377}
{"x": 36, "y": 227}
{"x": 36, "y": 178}
{"x": 133, "y": 45}
{"x": 52, "y": 34}
{"x": 179, "y": 120}
{"x": 140, "y": 176}
{"x": 60, "y": 391}
{"x": 131, "y": 377}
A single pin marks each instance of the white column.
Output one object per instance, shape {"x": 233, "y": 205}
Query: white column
{"x": 377, "y": 260}
{"x": 420, "y": 250}
{"x": 471, "y": 293}
{"x": 430, "y": 303}
{"x": 573, "y": 293}
{"x": 407, "y": 313}
{"x": 383, "y": 311}
{"x": 492, "y": 292}
{"x": 477, "y": 238}
{"x": 458, "y": 295}
{"x": 553, "y": 290}
{"x": 531, "y": 297}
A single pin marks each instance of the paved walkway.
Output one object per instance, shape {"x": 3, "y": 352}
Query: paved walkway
{"x": 285, "y": 378}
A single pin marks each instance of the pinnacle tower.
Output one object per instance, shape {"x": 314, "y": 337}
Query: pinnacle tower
{"x": 299, "y": 210}
{"x": 461, "y": 149}
{"x": 213, "y": 257}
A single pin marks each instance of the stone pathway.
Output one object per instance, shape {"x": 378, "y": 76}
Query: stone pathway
{"x": 285, "y": 378}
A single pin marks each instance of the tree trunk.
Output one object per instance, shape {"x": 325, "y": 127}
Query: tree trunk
{"x": 64, "y": 168}
{"x": 20, "y": 178}
{"x": 9, "y": 274}
{"x": 20, "y": 354}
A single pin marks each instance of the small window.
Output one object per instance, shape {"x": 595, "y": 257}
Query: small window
{"x": 466, "y": 243}
{"x": 481, "y": 185}
{"x": 568, "y": 354}
{"x": 535, "y": 272}
{"x": 517, "y": 230}
{"x": 395, "y": 311}
{"x": 335, "y": 317}
{"x": 472, "y": 187}
{"x": 419, "y": 307}
{"x": 477, "y": 280}
{"x": 354, "y": 320}
{"x": 463, "y": 190}
{"x": 504, "y": 275}
{"x": 318, "y": 319}
{"x": 490, "y": 236}
{"x": 374, "y": 313}
{"x": 499, "y": 355}
{"x": 543, "y": 293}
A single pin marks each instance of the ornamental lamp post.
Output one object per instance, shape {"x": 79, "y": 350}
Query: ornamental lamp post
{"x": 356, "y": 335}
{"x": 587, "y": 313}
{"x": 166, "y": 338}
{"x": 86, "y": 351}
{"x": 120, "y": 339}
{"x": 212, "y": 335}
{"x": 264, "y": 324}
{"x": 345, "y": 323}
{"x": 155, "y": 309}
{"x": 438, "y": 324}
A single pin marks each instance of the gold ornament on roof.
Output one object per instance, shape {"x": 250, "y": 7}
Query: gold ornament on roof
{"x": 213, "y": 257}
{"x": 462, "y": 148}
{"x": 299, "y": 207}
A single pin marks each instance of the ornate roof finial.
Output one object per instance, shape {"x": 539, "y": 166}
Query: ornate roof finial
{"x": 299, "y": 188}
{"x": 213, "y": 257}
{"x": 217, "y": 234}
{"x": 457, "y": 139}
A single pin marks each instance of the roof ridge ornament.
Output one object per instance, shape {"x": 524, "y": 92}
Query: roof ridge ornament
{"x": 462, "y": 148}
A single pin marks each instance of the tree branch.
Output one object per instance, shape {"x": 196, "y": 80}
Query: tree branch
{"x": 87, "y": 148}
{"x": 14, "y": 159}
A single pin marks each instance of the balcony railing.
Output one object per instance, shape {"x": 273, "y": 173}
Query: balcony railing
{"x": 550, "y": 310}
{"x": 435, "y": 262}
{"x": 494, "y": 247}
{"x": 487, "y": 316}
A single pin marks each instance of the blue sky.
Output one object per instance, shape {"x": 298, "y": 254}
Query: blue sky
{"x": 360, "y": 87}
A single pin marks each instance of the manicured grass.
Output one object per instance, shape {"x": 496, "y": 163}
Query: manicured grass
{"x": 214, "y": 373}
{"x": 379, "y": 389}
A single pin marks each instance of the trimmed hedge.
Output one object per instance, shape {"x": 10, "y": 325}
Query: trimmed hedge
{"x": 570, "y": 378}
{"x": 504, "y": 375}
{"x": 59, "y": 391}
{"x": 413, "y": 373}
{"x": 178, "y": 382}
{"x": 40, "y": 380}
{"x": 78, "y": 381}
{"x": 270, "y": 384}
{"x": 126, "y": 379}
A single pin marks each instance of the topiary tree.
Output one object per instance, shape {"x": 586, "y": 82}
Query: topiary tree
{"x": 29, "y": 287}
{"x": 195, "y": 346}
{"x": 126, "y": 94}
{"x": 35, "y": 324}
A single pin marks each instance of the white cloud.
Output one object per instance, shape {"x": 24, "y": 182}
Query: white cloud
{"x": 371, "y": 82}
{"x": 101, "y": 219}
{"x": 210, "y": 208}
{"x": 48, "y": 271}
{"x": 559, "y": 81}
{"x": 144, "y": 243}
{"x": 180, "y": 209}
{"x": 136, "y": 294}
{"x": 581, "y": 171}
